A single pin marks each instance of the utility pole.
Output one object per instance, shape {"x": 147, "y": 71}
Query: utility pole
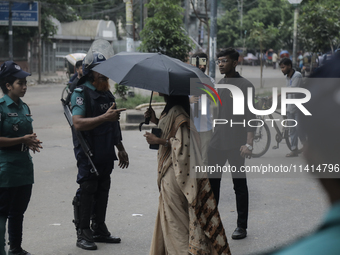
{"x": 212, "y": 41}
{"x": 240, "y": 8}
{"x": 129, "y": 26}
{"x": 10, "y": 31}
{"x": 39, "y": 43}
{"x": 295, "y": 3}
{"x": 186, "y": 17}
{"x": 296, "y": 15}
{"x": 141, "y": 16}
{"x": 145, "y": 12}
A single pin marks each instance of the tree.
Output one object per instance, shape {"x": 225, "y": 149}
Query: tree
{"x": 275, "y": 13}
{"x": 163, "y": 32}
{"x": 228, "y": 29}
{"x": 263, "y": 36}
{"x": 319, "y": 25}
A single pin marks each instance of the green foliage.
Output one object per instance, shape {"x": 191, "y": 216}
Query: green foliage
{"x": 121, "y": 91}
{"x": 319, "y": 25}
{"x": 278, "y": 14}
{"x": 228, "y": 29}
{"x": 132, "y": 102}
{"x": 233, "y": 4}
{"x": 163, "y": 32}
{"x": 264, "y": 37}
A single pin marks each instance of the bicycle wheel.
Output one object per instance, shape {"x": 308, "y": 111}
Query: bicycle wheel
{"x": 261, "y": 140}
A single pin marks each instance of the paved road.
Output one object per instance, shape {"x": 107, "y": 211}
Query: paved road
{"x": 281, "y": 208}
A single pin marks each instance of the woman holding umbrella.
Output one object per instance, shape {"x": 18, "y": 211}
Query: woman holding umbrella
{"x": 181, "y": 225}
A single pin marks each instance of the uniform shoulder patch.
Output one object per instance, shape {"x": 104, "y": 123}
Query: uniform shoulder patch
{"x": 79, "y": 101}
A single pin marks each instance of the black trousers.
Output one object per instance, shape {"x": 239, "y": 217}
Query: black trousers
{"x": 93, "y": 192}
{"x": 13, "y": 204}
{"x": 93, "y": 196}
{"x": 233, "y": 157}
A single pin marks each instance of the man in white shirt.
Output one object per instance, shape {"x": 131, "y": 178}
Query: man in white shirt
{"x": 274, "y": 59}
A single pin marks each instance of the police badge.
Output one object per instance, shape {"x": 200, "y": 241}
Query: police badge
{"x": 80, "y": 101}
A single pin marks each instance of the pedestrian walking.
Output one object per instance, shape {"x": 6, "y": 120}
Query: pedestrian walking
{"x": 16, "y": 167}
{"x": 96, "y": 117}
{"x": 274, "y": 58}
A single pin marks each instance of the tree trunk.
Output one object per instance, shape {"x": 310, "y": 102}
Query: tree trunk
{"x": 261, "y": 57}
{"x": 330, "y": 43}
{"x": 208, "y": 47}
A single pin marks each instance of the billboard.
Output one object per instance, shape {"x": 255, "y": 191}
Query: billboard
{"x": 23, "y": 14}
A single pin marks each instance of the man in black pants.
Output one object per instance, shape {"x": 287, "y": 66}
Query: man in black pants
{"x": 233, "y": 141}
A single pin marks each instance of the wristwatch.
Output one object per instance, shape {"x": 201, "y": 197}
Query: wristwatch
{"x": 249, "y": 147}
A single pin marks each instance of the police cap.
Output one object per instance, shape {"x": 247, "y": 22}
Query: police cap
{"x": 9, "y": 68}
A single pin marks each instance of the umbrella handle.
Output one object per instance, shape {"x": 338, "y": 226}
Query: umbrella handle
{"x": 147, "y": 120}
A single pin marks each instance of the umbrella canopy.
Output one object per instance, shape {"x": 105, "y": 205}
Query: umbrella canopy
{"x": 151, "y": 71}
{"x": 74, "y": 57}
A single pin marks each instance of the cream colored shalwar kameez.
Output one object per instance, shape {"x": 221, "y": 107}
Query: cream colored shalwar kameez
{"x": 178, "y": 230}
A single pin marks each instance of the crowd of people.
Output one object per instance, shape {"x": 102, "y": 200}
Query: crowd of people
{"x": 188, "y": 219}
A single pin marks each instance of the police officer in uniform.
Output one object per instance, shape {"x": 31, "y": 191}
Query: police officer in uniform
{"x": 16, "y": 167}
{"x": 73, "y": 84}
{"x": 95, "y": 115}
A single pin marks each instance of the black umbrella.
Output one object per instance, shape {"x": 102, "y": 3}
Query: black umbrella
{"x": 151, "y": 71}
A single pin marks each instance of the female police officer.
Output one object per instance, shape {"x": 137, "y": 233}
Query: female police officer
{"x": 16, "y": 167}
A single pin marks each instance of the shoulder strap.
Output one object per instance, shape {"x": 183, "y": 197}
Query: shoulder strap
{"x": 29, "y": 110}
{"x": 87, "y": 98}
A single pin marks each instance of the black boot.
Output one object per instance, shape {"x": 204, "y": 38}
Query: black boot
{"x": 17, "y": 251}
{"x": 102, "y": 235}
{"x": 85, "y": 239}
